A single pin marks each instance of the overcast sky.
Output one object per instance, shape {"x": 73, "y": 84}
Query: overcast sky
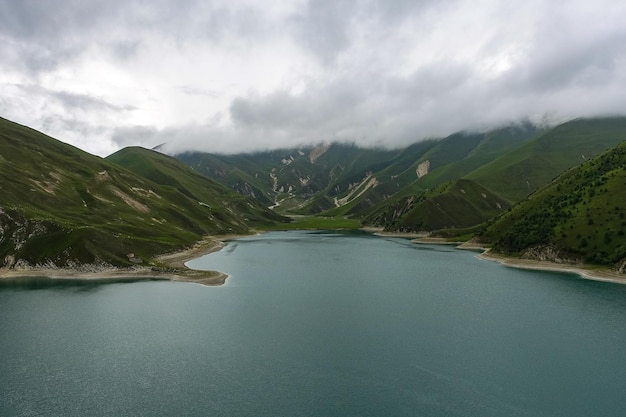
{"x": 230, "y": 76}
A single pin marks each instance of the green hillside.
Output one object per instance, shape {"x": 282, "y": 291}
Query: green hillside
{"x": 170, "y": 173}
{"x": 405, "y": 189}
{"x": 526, "y": 169}
{"x": 461, "y": 153}
{"x": 345, "y": 180}
{"x": 454, "y": 205}
{"x": 62, "y": 206}
{"x": 581, "y": 216}
{"x": 508, "y": 164}
{"x": 302, "y": 180}
{"x": 448, "y": 159}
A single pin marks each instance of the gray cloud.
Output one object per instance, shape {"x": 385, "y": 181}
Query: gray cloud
{"x": 326, "y": 27}
{"x": 70, "y": 101}
{"x": 240, "y": 75}
{"x": 45, "y": 34}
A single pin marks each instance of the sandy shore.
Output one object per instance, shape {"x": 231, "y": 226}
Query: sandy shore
{"x": 584, "y": 271}
{"x": 418, "y": 237}
{"x": 172, "y": 267}
{"x": 379, "y": 231}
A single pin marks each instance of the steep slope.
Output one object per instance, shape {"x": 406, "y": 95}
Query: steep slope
{"x": 62, "y": 206}
{"x": 580, "y": 216}
{"x": 454, "y": 205}
{"x": 517, "y": 174}
{"x": 305, "y": 179}
{"x": 340, "y": 179}
{"x": 508, "y": 178}
{"x": 169, "y": 172}
{"x": 446, "y": 160}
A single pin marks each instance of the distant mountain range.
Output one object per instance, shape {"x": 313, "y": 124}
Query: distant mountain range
{"x": 456, "y": 182}
{"x": 543, "y": 192}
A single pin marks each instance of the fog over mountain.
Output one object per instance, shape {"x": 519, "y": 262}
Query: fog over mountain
{"x": 230, "y": 76}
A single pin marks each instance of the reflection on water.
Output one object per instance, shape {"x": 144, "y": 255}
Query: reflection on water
{"x": 318, "y": 324}
{"x": 40, "y": 283}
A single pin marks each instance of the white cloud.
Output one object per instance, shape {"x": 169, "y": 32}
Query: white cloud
{"x": 245, "y": 75}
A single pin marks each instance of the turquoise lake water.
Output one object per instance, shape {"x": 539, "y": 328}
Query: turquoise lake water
{"x": 318, "y": 324}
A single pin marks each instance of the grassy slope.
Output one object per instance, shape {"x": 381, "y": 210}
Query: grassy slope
{"x": 508, "y": 163}
{"x": 291, "y": 176}
{"x": 457, "y": 204}
{"x": 582, "y": 214}
{"x": 452, "y": 164}
{"x": 450, "y": 159}
{"x": 240, "y": 174}
{"x": 508, "y": 174}
{"x": 62, "y": 205}
{"x": 169, "y": 172}
{"x": 517, "y": 174}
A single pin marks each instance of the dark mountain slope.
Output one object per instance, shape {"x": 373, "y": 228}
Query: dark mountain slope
{"x": 62, "y": 206}
{"x": 293, "y": 178}
{"x": 339, "y": 179}
{"x": 446, "y": 160}
{"x": 581, "y": 216}
{"x": 457, "y": 204}
{"x": 169, "y": 172}
{"x": 518, "y": 173}
{"x": 514, "y": 174}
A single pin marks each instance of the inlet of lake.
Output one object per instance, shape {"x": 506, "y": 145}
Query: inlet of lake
{"x": 320, "y": 323}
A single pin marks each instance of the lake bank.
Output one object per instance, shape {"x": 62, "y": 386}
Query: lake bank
{"x": 174, "y": 264}
{"x": 584, "y": 271}
{"x": 173, "y": 268}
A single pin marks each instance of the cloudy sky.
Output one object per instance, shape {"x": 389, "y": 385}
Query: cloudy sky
{"x": 229, "y": 76}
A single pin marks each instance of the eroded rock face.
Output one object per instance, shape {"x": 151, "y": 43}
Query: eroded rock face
{"x": 17, "y": 232}
{"x": 423, "y": 169}
{"x": 317, "y": 152}
{"x": 549, "y": 253}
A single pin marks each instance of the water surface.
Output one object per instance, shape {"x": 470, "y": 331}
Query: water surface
{"x": 319, "y": 323}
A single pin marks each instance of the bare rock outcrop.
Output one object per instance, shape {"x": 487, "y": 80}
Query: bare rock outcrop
{"x": 549, "y": 253}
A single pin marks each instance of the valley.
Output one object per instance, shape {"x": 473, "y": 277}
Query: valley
{"x": 526, "y": 191}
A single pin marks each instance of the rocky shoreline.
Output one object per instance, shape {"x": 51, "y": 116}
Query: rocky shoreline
{"x": 583, "y": 270}
{"x": 173, "y": 267}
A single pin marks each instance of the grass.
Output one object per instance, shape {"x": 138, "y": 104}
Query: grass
{"x": 581, "y": 214}
{"x": 315, "y": 223}
{"x": 62, "y": 205}
{"x": 518, "y": 173}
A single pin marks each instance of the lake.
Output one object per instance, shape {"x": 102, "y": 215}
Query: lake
{"x": 319, "y": 323}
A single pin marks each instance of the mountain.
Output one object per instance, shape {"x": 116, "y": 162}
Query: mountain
{"x": 459, "y": 181}
{"x": 338, "y": 179}
{"x": 60, "y": 206}
{"x": 293, "y": 178}
{"x": 578, "y": 217}
{"x": 505, "y": 180}
{"x": 458, "y": 204}
{"x": 227, "y": 208}
{"x": 518, "y": 173}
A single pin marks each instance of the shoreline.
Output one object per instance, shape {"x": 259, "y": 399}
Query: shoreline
{"x": 584, "y": 271}
{"x": 590, "y": 272}
{"x": 174, "y": 269}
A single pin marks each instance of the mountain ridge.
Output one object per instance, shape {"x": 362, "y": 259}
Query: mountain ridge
{"x": 579, "y": 217}
{"x": 62, "y": 207}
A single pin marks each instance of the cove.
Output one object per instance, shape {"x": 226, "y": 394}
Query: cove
{"x": 319, "y": 323}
